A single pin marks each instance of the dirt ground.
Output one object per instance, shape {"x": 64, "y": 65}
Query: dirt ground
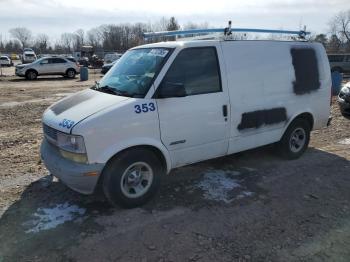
{"x": 251, "y": 206}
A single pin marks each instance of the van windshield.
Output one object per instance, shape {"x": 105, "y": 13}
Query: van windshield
{"x": 134, "y": 72}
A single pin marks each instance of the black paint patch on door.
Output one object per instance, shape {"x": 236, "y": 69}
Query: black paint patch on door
{"x": 306, "y": 70}
{"x": 259, "y": 118}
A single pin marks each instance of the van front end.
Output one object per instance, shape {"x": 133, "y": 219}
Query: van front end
{"x": 65, "y": 156}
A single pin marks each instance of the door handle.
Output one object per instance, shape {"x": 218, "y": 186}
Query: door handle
{"x": 224, "y": 110}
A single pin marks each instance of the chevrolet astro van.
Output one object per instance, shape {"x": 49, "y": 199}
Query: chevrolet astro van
{"x": 170, "y": 104}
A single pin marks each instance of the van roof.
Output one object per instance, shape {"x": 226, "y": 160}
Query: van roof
{"x": 174, "y": 44}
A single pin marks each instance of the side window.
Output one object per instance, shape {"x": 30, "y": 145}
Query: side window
{"x": 58, "y": 61}
{"x": 44, "y": 61}
{"x": 336, "y": 58}
{"x": 196, "y": 69}
{"x": 306, "y": 70}
{"x": 347, "y": 59}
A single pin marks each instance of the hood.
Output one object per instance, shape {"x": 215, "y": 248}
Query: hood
{"x": 22, "y": 65}
{"x": 68, "y": 112}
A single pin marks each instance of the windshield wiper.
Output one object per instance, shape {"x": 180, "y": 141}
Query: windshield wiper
{"x": 110, "y": 90}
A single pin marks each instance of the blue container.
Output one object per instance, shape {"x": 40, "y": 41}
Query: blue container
{"x": 337, "y": 79}
{"x": 84, "y": 74}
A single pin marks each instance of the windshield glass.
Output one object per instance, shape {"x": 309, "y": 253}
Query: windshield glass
{"x": 134, "y": 72}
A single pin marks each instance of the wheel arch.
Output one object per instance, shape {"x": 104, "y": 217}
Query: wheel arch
{"x": 308, "y": 116}
{"x": 31, "y": 69}
{"x": 156, "y": 147}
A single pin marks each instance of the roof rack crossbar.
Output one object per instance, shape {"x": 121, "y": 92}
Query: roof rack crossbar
{"x": 299, "y": 33}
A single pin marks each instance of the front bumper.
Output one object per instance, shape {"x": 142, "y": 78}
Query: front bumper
{"x": 76, "y": 176}
{"x": 20, "y": 72}
{"x": 344, "y": 105}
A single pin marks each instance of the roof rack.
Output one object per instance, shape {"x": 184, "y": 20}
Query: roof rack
{"x": 227, "y": 32}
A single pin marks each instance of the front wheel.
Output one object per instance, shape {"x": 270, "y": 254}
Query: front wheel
{"x": 295, "y": 140}
{"x": 132, "y": 178}
{"x": 31, "y": 75}
{"x": 71, "y": 73}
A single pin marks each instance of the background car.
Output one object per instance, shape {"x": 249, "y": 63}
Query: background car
{"x": 339, "y": 62}
{"x": 5, "y": 61}
{"x": 344, "y": 100}
{"x": 111, "y": 57}
{"x": 48, "y": 66}
{"x": 28, "y": 56}
{"x": 106, "y": 67}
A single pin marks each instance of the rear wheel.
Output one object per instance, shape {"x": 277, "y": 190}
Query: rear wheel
{"x": 70, "y": 73}
{"x": 295, "y": 140}
{"x": 132, "y": 178}
{"x": 31, "y": 75}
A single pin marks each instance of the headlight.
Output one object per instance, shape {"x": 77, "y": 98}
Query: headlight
{"x": 345, "y": 90}
{"x": 71, "y": 143}
{"x": 80, "y": 158}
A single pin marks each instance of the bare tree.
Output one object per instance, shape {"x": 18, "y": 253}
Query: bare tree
{"x": 79, "y": 38}
{"x": 341, "y": 25}
{"x": 66, "y": 42}
{"x": 41, "y": 42}
{"x": 334, "y": 43}
{"x": 94, "y": 37}
{"x": 22, "y": 34}
{"x": 321, "y": 38}
{"x": 191, "y": 25}
{"x": 172, "y": 24}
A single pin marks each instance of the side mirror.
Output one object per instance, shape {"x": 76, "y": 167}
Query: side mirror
{"x": 171, "y": 89}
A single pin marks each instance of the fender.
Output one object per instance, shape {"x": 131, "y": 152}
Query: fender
{"x": 142, "y": 141}
{"x": 297, "y": 113}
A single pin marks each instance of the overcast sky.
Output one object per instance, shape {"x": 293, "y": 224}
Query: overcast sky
{"x": 56, "y": 16}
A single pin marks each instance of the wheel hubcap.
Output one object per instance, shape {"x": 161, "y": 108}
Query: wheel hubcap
{"x": 136, "y": 180}
{"x": 297, "y": 140}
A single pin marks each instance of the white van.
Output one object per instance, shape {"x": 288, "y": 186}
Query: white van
{"x": 170, "y": 104}
{"x": 28, "y": 56}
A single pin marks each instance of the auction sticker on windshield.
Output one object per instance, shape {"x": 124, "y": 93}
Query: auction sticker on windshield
{"x": 159, "y": 52}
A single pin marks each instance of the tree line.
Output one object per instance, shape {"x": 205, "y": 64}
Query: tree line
{"x": 120, "y": 37}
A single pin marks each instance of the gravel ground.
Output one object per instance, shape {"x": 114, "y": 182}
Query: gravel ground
{"x": 251, "y": 206}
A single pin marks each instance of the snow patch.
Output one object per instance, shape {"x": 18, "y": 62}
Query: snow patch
{"x": 346, "y": 141}
{"x": 218, "y": 185}
{"x": 49, "y": 218}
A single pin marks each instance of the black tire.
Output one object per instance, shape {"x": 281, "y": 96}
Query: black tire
{"x": 70, "y": 73}
{"x": 31, "y": 75}
{"x": 115, "y": 178}
{"x": 298, "y": 129}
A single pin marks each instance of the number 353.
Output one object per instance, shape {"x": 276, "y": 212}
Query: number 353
{"x": 144, "y": 108}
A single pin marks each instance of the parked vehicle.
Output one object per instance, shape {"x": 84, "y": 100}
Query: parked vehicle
{"x": 111, "y": 57}
{"x": 48, "y": 66}
{"x": 14, "y": 57}
{"x": 106, "y": 67}
{"x": 170, "y": 104}
{"x": 339, "y": 62}
{"x": 28, "y": 56}
{"x": 5, "y": 61}
{"x": 344, "y": 100}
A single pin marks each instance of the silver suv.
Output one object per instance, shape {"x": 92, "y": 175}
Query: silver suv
{"x": 339, "y": 62}
{"x": 48, "y": 66}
